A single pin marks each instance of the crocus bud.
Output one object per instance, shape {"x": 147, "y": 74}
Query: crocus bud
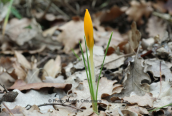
{"x": 88, "y": 28}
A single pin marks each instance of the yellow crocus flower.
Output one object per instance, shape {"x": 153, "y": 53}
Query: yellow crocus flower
{"x": 88, "y": 28}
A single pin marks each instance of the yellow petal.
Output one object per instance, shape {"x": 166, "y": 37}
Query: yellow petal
{"x": 88, "y": 28}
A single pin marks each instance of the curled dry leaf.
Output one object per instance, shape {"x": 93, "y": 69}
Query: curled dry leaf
{"x": 146, "y": 100}
{"x": 134, "y": 38}
{"x": 128, "y": 113}
{"x": 18, "y": 72}
{"x": 138, "y": 10}
{"x": 22, "y": 60}
{"x": 21, "y": 85}
{"x": 52, "y": 67}
{"x": 50, "y": 31}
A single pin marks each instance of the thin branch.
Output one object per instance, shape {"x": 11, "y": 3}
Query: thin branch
{"x": 46, "y": 104}
{"x": 46, "y": 10}
{"x": 8, "y": 109}
{"x": 5, "y": 90}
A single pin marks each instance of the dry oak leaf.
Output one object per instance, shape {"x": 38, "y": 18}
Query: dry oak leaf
{"x": 52, "y": 67}
{"x": 156, "y": 26}
{"x": 146, "y": 100}
{"x": 18, "y": 32}
{"x": 22, "y": 60}
{"x": 136, "y": 80}
{"x": 165, "y": 96}
{"x": 21, "y": 85}
{"x": 18, "y": 72}
{"x": 134, "y": 38}
{"x": 138, "y": 10}
{"x": 72, "y": 33}
{"x": 153, "y": 66}
{"x": 21, "y": 111}
{"x": 111, "y": 14}
{"x": 106, "y": 88}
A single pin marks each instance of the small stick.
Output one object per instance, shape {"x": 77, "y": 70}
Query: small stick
{"x": 5, "y": 90}
{"x": 45, "y": 12}
{"x": 160, "y": 81}
{"x": 116, "y": 59}
{"x": 8, "y": 109}
{"x": 45, "y": 104}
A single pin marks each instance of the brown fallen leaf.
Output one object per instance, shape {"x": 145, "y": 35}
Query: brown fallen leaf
{"x": 18, "y": 31}
{"x": 129, "y": 113}
{"x": 156, "y": 26}
{"x": 136, "y": 80}
{"x": 50, "y": 31}
{"x": 18, "y": 72}
{"x": 146, "y": 100}
{"x": 52, "y": 67}
{"x": 106, "y": 88}
{"x": 6, "y": 63}
{"x": 160, "y": 6}
{"x": 72, "y": 33}
{"x": 138, "y": 110}
{"x": 168, "y": 6}
{"x": 21, "y": 85}
{"x": 138, "y": 10}
{"x": 153, "y": 66}
{"x": 134, "y": 39}
{"x": 117, "y": 38}
{"x": 111, "y": 14}
{"x": 113, "y": 109}
{"x": 21, "y": 111}
{"x": 22, "y": 60}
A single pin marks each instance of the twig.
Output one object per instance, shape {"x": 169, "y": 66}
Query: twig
{"x": 45, "y": 104}
{"x": 44, "y": 59}
{"x": 8, "y": 109}
{"x": 116, "y": 59}
{"x": 45, "y": 12}
{"x": 5, "y": 90}
{"x": 60, "y": 11}
{"x": 70, "y": 7}
{"x": 160, "y": 80}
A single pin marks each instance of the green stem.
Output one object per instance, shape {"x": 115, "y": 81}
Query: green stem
{"x": 92, "y": 69}
{"x": 160, "y": 107}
